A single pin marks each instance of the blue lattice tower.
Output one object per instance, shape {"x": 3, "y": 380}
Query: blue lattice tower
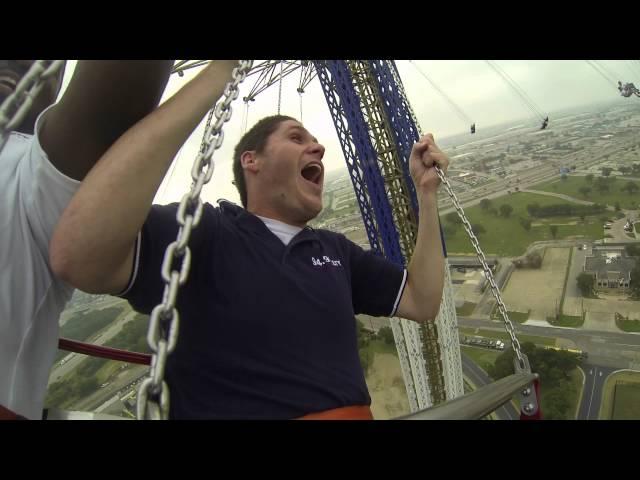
{"x": 377, "y": 131}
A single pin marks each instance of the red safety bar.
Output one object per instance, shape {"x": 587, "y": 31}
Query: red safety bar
{"x": 104, "y": 352}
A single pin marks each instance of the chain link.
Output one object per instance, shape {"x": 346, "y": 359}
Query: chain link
{"x": 474, "y": 241}
{"x": 16, "y": 106}
{"x": 280, "y": 88}
{"x": 487, "y": 271}
{"x": 153, "y": 396}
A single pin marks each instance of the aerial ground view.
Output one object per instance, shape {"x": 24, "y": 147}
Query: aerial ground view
{"x": 556, "y": 211}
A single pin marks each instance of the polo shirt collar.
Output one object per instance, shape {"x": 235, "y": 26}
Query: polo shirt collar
{"x": 249, "y": 222}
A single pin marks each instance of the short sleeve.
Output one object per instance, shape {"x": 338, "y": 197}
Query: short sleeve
{"x": 146, "y": 286}
{"x": 376, "y": 283}
{"x": 45, "y": 192}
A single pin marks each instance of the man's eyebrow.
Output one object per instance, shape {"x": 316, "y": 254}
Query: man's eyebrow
{"x": 304, "y": 130}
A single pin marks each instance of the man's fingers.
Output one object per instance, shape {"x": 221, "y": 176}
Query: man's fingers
{"x": 431, "y": 158}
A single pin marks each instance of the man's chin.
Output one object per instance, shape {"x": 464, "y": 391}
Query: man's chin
{"x": 312, "y": 211}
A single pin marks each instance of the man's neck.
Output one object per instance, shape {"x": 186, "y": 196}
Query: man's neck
{"x": 273, "y": 215}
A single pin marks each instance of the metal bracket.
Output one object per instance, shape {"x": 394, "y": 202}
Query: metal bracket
{"x": 528, "y": 397}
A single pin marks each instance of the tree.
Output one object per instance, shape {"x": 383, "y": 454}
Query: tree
{"x": 449, "y": 230}
{"x": 554, "y": 230}
{"x": 453, "y": 218}
{"x": 634, "y": 285}
{"x": 585, "y": 191}
{"x": 563, "y": 177}
{"x": 485, "y": 203}
{"x": 589, "y": 178}
{"x": 602, "y": 186}
{"x": 526, "y": 223}
{"x": 585, "y": 284}
{"x": 505, "y": 210}
{"x": 533, "y": 209}
{"x": 606, "y": 171}
{"x": 478, "y": 229}
{"x": 624, "y": 170}
{"x": 553, "y": 366}
{"x": 617, "y": 206}
{"x": 630, "y": 187}
{"x": 534, "y": 260}
{"x": 633, "y": 249}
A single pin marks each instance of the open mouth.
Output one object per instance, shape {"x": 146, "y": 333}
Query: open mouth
{"x": 312, "y": 173}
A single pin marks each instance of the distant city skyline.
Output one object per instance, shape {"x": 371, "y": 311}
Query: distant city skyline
{"x": 472, "y": 85}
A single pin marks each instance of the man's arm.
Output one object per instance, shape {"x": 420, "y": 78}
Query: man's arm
{"x": 422, "y": 295}
{"x": 103, "y": 100}
{"x": 92, "y": 247}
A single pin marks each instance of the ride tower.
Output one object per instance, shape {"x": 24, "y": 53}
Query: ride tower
{"x": 377, "y": 129}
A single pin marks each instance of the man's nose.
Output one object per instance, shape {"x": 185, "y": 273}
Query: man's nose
{"x": 318, "y": 149}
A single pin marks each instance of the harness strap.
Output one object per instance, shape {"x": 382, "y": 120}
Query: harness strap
{"x": 355, "y": 412}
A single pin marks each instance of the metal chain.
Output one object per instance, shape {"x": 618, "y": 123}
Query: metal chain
{"x": 204, "y": 134}
{"x": 16, "y": 106}
{"x": 487, "y": 271}
{"x": 280, "y": 88}
{"x": 474, "y": 241}
{"x": 300, "y": 93}
{"x": 153, "y": 395}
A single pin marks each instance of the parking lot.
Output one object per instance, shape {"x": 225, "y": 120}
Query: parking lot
{"x": 538, "y": 290}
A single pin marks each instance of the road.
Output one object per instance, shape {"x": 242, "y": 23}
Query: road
{"x": 124, "y": 379}
{"x": 607, "y": 349}
{"x": 479, "y": 378}
{"x": 595, "y": 374}
{"x": 575, "y": 269}
{"x": 595, "y": 377}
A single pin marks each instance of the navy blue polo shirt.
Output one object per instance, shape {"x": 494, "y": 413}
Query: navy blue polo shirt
{"x": 267, "y": 331}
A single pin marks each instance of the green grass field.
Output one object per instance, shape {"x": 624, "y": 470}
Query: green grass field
{"x": 506, "y": 237}
{"x": 519, "y": 317}
{"x": 621, "y": 403}
{"x": 628, "y": 325}
{"x": 566, "y": 321}
{"x": 571, "y": 187}
{"x": 626, "y": 404}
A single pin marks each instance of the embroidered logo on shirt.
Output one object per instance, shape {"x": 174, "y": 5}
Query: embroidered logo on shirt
{"x": 317, "y": 262}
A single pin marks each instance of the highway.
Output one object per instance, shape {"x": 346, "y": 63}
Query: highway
{"x": 607, "y": 349}
{"x": 595, "y": 377}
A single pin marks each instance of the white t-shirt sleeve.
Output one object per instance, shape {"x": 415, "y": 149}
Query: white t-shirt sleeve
{"x": 44, "y": 191}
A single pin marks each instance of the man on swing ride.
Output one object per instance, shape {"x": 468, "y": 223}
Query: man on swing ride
{"x": 267, "y": 326}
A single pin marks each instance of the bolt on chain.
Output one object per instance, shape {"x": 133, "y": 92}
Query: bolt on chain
{"x": 16, "y": 106}
{"x": 153, "y": 395}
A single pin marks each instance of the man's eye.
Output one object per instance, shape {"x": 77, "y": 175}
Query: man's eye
{"x": 297, "y": 138}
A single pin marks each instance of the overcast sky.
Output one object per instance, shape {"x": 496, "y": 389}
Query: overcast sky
{"x": 471, "y": 84}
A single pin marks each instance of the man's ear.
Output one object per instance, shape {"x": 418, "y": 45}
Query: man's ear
{"x": 249, "y": 161}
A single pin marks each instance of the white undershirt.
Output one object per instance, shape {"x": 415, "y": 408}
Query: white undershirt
{"x": 283, "y": 231}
